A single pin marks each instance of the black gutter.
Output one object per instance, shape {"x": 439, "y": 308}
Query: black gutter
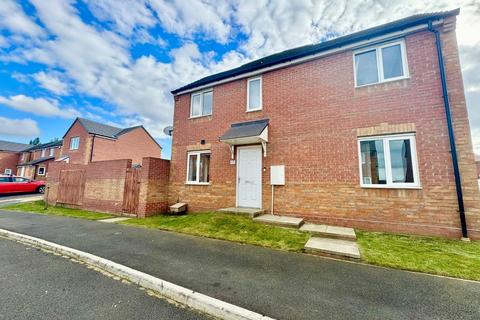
{"x": 451, "y": 136}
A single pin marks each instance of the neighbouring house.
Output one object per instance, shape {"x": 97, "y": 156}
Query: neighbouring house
{"x": 33, "y": 162}
{"x": 10, "y": 155}
{"x": 89, "y": 141}
{"x": 357, "y": 126}
{"x": 105, "y": 168}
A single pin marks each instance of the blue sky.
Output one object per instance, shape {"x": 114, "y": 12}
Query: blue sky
{"x": 116, "y": 61}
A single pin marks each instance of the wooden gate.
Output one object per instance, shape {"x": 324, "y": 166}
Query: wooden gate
{"x": 131, "y": 191}
{"x": 71, "y": 187}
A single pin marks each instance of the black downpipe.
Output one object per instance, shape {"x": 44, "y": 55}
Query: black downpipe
{"x": 451, "y": 136}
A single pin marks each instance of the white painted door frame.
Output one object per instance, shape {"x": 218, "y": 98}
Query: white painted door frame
{"x": 259, "y": 147}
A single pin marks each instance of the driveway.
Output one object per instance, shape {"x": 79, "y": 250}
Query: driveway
{"x": 57, "y": 288}
{"x": 279, "y": 284}
{"x": 16, "y": 198}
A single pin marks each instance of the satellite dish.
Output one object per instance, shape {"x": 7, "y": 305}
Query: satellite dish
{"x": 168, "y": 130}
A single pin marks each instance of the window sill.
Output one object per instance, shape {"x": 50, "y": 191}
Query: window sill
{"x": 197, "y": 183}
{"x": 381, "y": 82}
{"x": 254, "y": 110}
{"x": 202, "y": 116}
{"x": 379, "y": 186}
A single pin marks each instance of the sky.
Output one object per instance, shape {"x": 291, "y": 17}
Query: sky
{"x": 117, "y": 61}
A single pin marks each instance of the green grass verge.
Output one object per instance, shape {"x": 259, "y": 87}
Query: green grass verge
{"x": 38, "y": 207}
{"x": 227, "y": 227}
{"x": 446, "y": 257}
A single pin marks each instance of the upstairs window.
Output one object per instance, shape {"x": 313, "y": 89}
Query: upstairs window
{"x": 52, "y": 152}
{"x": 381, "y": 64}
{"x": 389, "y": 161}
{"x": 198, "y": 167}
{"x": 254, "y": 94}
{"x": 74, "y": 143}
{"x": 201, "y": 104}
{"x": 43, "y": 153}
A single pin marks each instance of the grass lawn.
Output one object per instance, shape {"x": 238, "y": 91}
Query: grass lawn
{"x": 37, "y": 207}
{"x": 227, "y": 227}
{"x": 453, "y": 258}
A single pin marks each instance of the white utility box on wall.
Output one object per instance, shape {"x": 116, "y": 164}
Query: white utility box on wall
{"x": 277, "y": 175}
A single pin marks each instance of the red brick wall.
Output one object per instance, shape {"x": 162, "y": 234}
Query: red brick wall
{"x": 154, "y": 178}
{"x": 135, "y": 145}
{"x": 8, "y": 160}
{"x": 82, "y": 155}
{"x": 315, "y": 112}
{"x": 104, "y": 184}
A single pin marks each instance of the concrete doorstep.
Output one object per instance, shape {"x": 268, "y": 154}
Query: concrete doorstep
{"x": 195, "y": 300}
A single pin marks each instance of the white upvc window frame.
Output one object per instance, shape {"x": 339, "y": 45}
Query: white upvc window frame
{"x": 51, "y": 152}
{"x": 7, "y": 171}
{"x": 201, "y": 93}
{"x": 44, "y": 171}
{"x": 378, "y": 52}
{"x": 44, "y": 151}
{"x": 388, "y": 167}
{"x": 260, "y": 93}
{"x": 197, "y": 153}
{"x": 72, "y": 145}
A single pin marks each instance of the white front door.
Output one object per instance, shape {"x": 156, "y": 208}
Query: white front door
{"x": 249, "y": 177}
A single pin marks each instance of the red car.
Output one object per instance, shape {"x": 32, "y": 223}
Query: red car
{"x": 12, "y": 184}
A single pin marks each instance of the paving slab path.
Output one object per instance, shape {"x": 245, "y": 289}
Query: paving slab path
{"x": 279, "y": 284}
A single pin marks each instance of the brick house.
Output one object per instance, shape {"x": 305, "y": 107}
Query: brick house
{"x": 10, "y": 155}
{"x": 357, "y": 125}
{"x": 89, "y": 141}
{"x": 33, "y": 162}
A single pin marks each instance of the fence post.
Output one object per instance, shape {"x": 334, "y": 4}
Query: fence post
{"x": 45, "y": 198}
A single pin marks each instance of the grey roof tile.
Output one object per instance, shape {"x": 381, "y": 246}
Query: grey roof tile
{"x": 13, "y": 146}
{"x": 245, "y": 129}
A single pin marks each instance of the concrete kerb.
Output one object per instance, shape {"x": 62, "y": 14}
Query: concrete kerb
{"x": 195, "y": 300}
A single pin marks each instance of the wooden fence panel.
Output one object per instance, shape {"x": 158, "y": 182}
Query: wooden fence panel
{"x": 132, "y": 191}
{"x": 71, "y": 187}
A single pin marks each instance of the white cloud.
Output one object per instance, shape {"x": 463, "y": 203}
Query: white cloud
{"x": 52, "y": 81}
{"x": 18, "y": 127}
{"x": 38, "y": 106}
{"x": 13, "y": 18}
{"x": 207, "y": 17}
{"x": 127, "y": 16}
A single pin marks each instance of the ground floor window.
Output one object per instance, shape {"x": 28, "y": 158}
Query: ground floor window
{"x": 8, "y": 171}
{"x": 198, "y": 167}
{"x": 41, "y": 171}
{"x": 388, "y": 161}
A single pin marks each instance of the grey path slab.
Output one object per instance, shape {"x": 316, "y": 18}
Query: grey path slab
{"x": 280, "y": 284}
{"x": 39, "y": 285}
{"x": 329, "y": 231}
{"x": 333, "y": 247}
{"x": 277, "y": 220}
{"x": 114, "y": 220}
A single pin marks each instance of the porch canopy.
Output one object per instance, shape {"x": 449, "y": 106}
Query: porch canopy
{"x": 244, "y": 133}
